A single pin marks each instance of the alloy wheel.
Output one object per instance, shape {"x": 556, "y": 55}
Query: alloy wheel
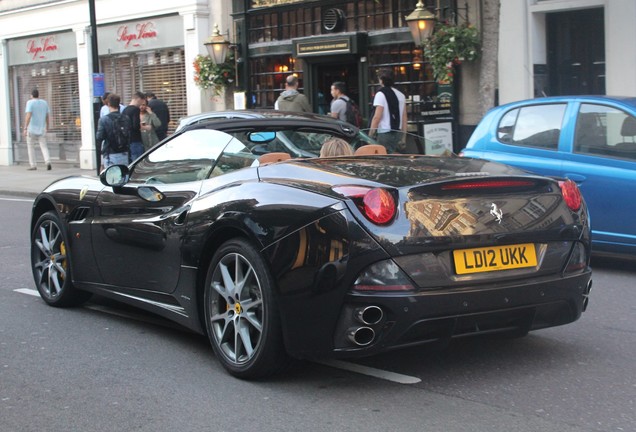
{"x": 236, "y": 308}
{"x": 50, "y": 263}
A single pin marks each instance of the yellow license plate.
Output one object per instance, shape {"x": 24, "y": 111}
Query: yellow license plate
{"x": 494, "y": 258}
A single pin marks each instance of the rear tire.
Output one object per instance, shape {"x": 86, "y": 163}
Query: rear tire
{"x": 51, "y": 264}
{"x": 241, "y": 316}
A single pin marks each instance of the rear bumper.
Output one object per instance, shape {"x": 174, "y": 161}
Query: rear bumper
{"x": 438, "y": 316}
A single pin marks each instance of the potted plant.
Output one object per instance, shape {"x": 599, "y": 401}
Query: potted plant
{"x": 449, "y": 46}
{"x": 208, "y": 75}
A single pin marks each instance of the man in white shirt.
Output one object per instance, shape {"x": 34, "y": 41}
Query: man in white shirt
{"x": 389, "y": 119}
{"x": 36, "y": 124}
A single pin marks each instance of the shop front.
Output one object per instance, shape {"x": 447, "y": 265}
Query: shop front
{"x": 145, "y": 55}
{"x": 47, "y": 63}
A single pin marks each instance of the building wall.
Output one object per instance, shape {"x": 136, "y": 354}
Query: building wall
{"x": 522, "y": 44}
{"x": 40, "y": 18}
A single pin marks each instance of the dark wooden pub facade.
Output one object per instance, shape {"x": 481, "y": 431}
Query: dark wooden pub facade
{"x": 326, "y": 41}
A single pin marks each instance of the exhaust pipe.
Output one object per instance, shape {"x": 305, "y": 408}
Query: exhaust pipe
{"x": 369, "y": 315}
{"x": 361, "y": 336}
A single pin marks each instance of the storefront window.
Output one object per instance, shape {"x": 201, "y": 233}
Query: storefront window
{"x": 414, "y": 78}
{"x": 161, "y": 72}
{"x": 268, "y": 78}
{"x": 58, "y": 85}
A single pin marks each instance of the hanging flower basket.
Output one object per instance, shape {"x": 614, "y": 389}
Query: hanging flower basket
{"x": 208, "y": 75}
{"x": 449, "y": 46}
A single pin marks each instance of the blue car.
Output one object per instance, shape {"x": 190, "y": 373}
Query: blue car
{"x": 588, "y": 139}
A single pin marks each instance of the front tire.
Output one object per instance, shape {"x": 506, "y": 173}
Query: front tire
{"x": 51, "y": 264}
{"x": 241, "y": 316}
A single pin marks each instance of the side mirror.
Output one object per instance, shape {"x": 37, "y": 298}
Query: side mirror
{"x": 115, "y": 176}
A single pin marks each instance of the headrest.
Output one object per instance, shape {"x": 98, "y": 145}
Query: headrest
{"x": 273, "y": 157}
{"x": 629, "y": 126}
{"x": 370, "y": 149}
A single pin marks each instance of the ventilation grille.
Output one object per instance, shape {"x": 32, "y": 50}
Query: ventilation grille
{"x": 333, "y": 20}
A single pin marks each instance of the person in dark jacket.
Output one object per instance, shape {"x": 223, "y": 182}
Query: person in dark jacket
{"x": 160, "y": 108}
{"x": 132, "y": 111}
{"x": 291, "y": 99}
{"x": 105, "y": 135}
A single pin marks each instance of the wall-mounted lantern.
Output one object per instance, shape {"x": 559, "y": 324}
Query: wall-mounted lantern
{"x": 421, "y": 22}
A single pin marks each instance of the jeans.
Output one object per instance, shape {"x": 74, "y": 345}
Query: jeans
{"x": 391, "y": 140}
{"x": 136, "y": 149}
{"x": 115, "y": 159}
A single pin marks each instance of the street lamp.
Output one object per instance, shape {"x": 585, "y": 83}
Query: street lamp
{"x": 217, "y": 46}
{"x": 421, "y": 23}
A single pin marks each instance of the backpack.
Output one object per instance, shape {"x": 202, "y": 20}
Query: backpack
{"x": 118, "y": 136}
{"x": 352, "y": 113}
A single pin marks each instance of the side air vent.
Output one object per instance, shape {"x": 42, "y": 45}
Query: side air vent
{"x": 79, "y": 214}
{"x": 333, "y": 20}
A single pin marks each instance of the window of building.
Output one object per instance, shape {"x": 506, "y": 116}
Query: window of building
{"x": 267, "y": 80}
{"x": 408, "y": 79}
{"x": 288, "y": 22}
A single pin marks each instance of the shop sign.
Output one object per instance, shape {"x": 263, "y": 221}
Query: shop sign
{"x": 439, "y": 138}
{"x": 268, "y": 3}
{"x": 332, "y": 46}
{"x": 438, "y": 107}
{"x": 42, "y": 48}
{"x": 135, "y": 37}
{"x": 140, "y": 35}
{"x": 354, "y": 43}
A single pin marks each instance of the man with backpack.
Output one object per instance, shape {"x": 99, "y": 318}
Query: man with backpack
{"x": 113, "y": 132}
{"x": 342, "y": 107}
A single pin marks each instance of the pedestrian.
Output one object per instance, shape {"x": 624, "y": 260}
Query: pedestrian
{"x": 335, "y": 147}
{"x": 160, "y": 108}
{"x": 149, "y": 124}
{"x": 133, "y": 112}
{"x": 36, "y": 124}
{"x": 104, "y": 110}
{"x": 389, "y": 119}
{"x": 339, "y": 101}
{"x": 290, "y": 99}
{"x": 112, "y": 134}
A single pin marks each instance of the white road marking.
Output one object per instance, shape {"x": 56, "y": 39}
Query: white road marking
{"x": 338, "y": 364}
{"x": 111, "y": 311}
{"x": 376, "y": 373}
{"x": 28, "y": 291}
{"x": 17, "y": 199}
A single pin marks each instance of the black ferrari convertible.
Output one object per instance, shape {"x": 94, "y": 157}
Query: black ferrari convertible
{"x": 315, "y": 257}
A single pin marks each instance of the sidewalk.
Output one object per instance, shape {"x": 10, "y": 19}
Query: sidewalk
{"x": 15, "y": 180}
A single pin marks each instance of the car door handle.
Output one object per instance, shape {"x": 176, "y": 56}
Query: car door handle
{"x": 578, "y": 178}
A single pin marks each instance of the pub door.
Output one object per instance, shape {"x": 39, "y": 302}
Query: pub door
{"x": 325, "y": 74}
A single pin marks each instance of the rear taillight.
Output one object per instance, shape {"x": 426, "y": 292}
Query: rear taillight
{"x": 377, "y": 204}
{"x": 571, "y": 194}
